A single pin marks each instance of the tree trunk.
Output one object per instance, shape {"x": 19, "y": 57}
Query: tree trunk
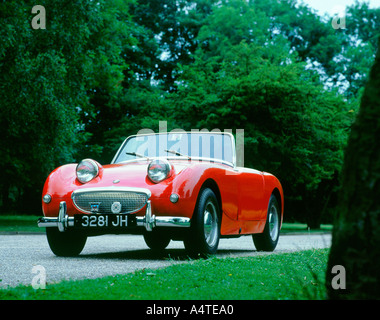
{"x": 356, "y": 236}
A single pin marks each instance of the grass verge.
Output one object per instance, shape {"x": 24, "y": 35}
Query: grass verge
{"x": 18, "y": 224}
{"x": 288, "y": 276}
{"x": 303, "y": 228}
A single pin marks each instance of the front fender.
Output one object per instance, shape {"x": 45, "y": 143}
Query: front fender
{"x": 186, "y": 185}
{"x": 59, "y": 185}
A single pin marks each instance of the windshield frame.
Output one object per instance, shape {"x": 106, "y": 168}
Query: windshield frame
{"x": 185, "y": 157}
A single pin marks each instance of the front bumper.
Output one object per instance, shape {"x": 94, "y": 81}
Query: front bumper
{"x": 149, "y": 221}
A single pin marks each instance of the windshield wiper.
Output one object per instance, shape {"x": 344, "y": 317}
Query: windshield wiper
{"x": 136, "y": 154}
{"x": 177, "y": 153}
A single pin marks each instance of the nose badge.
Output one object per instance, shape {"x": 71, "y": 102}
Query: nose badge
{"x": 116, "y": 207}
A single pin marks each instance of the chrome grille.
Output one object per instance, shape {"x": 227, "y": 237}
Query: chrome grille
{"x": 95, "y": 201}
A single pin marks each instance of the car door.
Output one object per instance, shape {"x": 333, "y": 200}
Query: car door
{"x": 251, "y": 194}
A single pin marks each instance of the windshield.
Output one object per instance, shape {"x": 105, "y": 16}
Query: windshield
{"x": 201, "y": 145}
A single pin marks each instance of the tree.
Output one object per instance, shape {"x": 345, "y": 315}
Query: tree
{"x": 359, "y": 47}
{"x": 166, "y": 37}
{"x": 172, "y": 26}
{"x": 50, "y": 81}
{"x": 342, "y": 57}
{"x": 111, "y": 47}
{"x": 312, "y": 38}
{"x": 244, "y": 77}
{"x": 356, "y": 235}
{"x": 37, "y": 83}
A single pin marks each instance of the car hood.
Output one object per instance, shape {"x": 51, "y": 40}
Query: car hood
{"x": 133, "y": 174}
{"x": 62, "y": 182}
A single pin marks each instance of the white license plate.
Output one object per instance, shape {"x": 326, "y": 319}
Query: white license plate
{"x": 101, "y": 221}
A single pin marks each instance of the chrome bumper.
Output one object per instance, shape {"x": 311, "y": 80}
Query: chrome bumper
{"x": 149, "y": 221}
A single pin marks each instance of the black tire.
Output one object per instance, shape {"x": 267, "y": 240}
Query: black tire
{"x": 65, "y": 244}
{"x": 204, "y": 235}
{"x": 156, "y": 240}
{"x": 267, "y": 241}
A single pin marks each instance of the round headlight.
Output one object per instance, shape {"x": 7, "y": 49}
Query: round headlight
{"x": 87, "y": 170}
{"x": 158, "y": 170}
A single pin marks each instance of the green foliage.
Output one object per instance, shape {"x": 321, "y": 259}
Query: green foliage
{"x": 360, "y": 45}
{"x": 167, "y": 36}
{"x": 244, "y": 78}
{"x": 103, "y": 70}
{"x": 48, "y": 82}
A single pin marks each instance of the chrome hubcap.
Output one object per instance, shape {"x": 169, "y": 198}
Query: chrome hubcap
{"x": 273, "y": 222}
{"x": 210, "y": 224}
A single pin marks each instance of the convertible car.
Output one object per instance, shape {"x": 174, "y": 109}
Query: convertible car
{"x": 165, "y": 186}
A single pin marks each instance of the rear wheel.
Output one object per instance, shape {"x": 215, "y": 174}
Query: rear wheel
{"x": 267, "y": 241}
{"x": 65, "y": 244}
{"x": 205, "y": 225}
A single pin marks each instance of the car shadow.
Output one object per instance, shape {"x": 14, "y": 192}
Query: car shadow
{"x": 167, "y": 254}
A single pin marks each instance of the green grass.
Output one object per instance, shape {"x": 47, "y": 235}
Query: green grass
{"x": 290, "y": 276}
{"x": 18, "y": 223}
{"x": 302, "y": 228}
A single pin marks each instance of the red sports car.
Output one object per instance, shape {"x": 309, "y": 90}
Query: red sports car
{"x": 165, "y": 186}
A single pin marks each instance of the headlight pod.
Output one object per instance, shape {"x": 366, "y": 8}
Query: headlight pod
{"x": 87, "y": 170}
{"x": 159, "y": 170}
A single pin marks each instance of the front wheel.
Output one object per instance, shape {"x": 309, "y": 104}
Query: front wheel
{"x": 267, "y": 241}
{"x": 65, "y": 244}
{"x": 155, "y": 240}
{"x": 205, "y": 225}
